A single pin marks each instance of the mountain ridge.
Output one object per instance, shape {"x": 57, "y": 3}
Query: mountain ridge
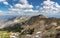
{"x": 35, "y": 25}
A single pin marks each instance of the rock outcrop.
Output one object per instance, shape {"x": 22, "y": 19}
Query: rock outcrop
{"x": 43, "y": 27}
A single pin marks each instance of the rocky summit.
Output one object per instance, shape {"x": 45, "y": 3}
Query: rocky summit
{"x": 36, "y": 27}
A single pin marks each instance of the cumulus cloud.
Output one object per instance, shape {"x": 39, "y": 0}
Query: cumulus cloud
{"x": 22, "y": 9}
{"x": 24, "y": 1}
{"x": 23, "y": 6}
{"x": 6, "y": 3}
{"x": 50, "y": 8}
{"x": 47, "y": 7}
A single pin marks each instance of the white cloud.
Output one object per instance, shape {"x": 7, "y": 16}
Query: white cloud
{"x": 23, "y": 6}
{"x": 57, "y": 5}
{"x": 30, "y": 11}
{"x": 6, "y": 3}
{"x": 0, "y": 11}
{"x": 50, "y": 8}
{"x": 24, "y": 1}
{"x": 48, "y": 2}
{"x": 18, "y": 8}
{"x": 22, "y": 11}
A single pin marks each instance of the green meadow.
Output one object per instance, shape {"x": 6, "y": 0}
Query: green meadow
{"x": 4, "y": 34}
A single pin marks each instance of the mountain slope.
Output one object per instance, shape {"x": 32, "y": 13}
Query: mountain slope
{"x": 36, "y": 25}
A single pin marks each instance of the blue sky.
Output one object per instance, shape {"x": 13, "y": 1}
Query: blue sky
{"x": 12, "y": 2}
{"x": 30, "y": 7}
{"x": 33, "y": 2}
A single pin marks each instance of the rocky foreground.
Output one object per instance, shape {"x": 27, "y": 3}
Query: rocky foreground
{"x": 36, "y": 27}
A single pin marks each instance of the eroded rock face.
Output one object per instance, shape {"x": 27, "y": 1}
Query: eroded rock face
{"x": 44, "y": 27}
